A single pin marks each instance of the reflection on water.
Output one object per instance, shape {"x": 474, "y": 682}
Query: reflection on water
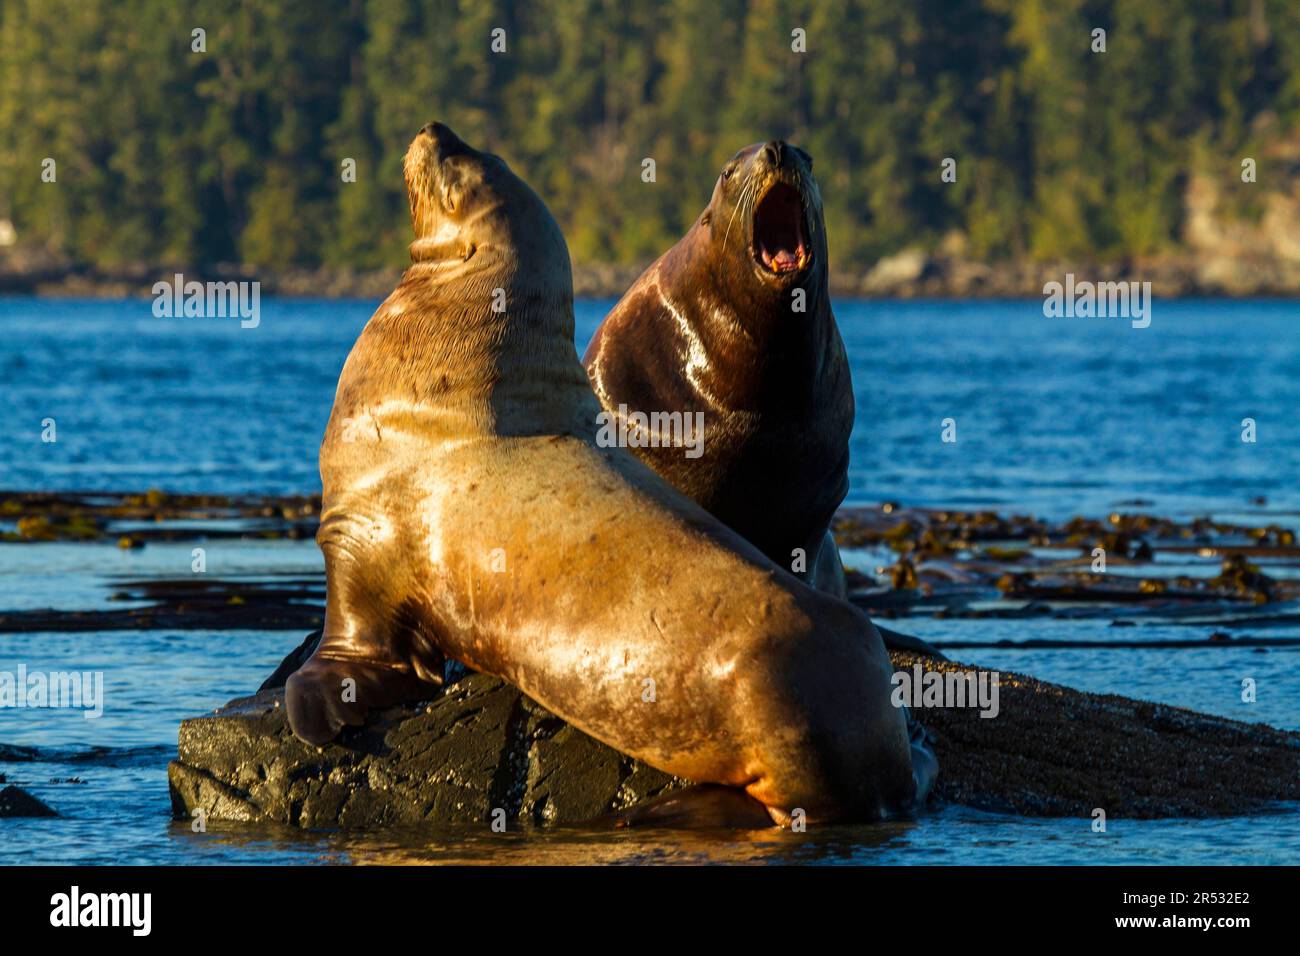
{"x": 955, "y": 835}
{"x": 468, "y": 844}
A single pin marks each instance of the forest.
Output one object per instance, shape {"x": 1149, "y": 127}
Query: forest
{"x": 238, "y": 152}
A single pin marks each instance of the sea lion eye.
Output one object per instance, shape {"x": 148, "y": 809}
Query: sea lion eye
{"x": 727, "y": 173}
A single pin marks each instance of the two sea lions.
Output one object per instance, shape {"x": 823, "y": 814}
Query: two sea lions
{"x": 735, "y": 321}
{"x": 470, "y": 513}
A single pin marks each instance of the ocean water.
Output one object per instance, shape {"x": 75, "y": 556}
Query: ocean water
{"x": 1054, "y": 417}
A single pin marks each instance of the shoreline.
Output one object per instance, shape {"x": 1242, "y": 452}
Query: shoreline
{"x": 911, "y": 274}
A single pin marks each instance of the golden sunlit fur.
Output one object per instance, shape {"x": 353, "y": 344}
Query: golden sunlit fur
{"x": 470, "y": 513}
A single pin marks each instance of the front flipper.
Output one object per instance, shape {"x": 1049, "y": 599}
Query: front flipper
{"x": 325, "y": 695}
{"x": 374, "y": 652}
{"x": 699, "y": 807}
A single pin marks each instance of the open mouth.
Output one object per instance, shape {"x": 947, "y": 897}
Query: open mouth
{"x": 780, "y": 245}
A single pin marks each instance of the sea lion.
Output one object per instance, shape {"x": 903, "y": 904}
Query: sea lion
{"x": 735, "y": 321}
{"x": 734, "y": 324}
{"x": 470, "y": 513}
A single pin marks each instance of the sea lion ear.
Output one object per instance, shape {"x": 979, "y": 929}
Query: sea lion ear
{"x": 451, "y": 191}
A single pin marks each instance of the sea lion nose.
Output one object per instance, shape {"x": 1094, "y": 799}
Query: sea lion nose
{"x": 448, "y": 142}
{"x": 774, "y": 152}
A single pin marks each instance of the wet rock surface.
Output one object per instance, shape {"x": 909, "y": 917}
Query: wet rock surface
{"x": 1054, "y": 751}
{"x": 479, "y": 747}
{"x": 483, "y": 746}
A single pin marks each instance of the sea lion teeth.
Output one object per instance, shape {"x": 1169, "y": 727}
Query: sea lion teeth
{"x": 471, "y": 513}
{"x": 778, "y": 226}
{"x": 784, "y": 261}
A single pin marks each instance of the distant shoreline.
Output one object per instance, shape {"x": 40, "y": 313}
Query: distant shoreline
{"x": 911, "y": 274}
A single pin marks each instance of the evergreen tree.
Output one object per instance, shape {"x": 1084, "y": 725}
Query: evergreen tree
{"x": 235, "y": 153}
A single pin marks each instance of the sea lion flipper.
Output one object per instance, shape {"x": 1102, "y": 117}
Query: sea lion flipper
{"x": 701, "y": 806}
{"x": 895, "y": 641}
{"x": 827, "y": 576}
{"x": 827, "y": 571}
{"x": 325, "y": 695}
{"x": 925, "y": 764}
{"x": 364, "y": 660}
{"x": 307, "y": 696}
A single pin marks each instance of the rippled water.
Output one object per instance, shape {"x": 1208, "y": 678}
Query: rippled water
{"x": 1054, "y": 417}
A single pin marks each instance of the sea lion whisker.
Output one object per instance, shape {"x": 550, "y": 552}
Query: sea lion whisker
{"x": 735, "y": 210}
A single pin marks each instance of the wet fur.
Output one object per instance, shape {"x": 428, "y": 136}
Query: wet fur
{"x": 701, "y": 331}
{"x": 460, "y": 434}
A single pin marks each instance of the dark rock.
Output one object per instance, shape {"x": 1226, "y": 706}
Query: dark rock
{"x": 19, "y": 803}
{"x": 481, "y": 745}
{"x": 1054, "y": 751}
{"x": 478, "y": 747}
{"x": 12, "y": 753}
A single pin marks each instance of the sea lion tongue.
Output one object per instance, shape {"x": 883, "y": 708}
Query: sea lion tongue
{"x": 783, "y": 261}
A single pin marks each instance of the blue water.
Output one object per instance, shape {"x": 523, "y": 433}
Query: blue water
{"x": 1054, "y": 417}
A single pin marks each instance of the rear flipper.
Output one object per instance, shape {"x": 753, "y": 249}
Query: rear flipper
{"x": 327, "y": 694}
{"x": 925, "y": 765}
{"x": 826, "y": 573}
{"x": 827, "y": 576}
{"x": 702, "y": 806}
{"x": 905, "y": 642}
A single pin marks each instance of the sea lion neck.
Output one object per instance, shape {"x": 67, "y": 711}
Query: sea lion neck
{"x": 481, "y": 347}
{"x": 755, "y": 335}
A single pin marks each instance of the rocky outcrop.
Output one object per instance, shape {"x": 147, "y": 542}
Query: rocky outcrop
{"x": 19, "y": 803}
{"x": 1055, "y": 751}
{"x": 482, "y": 746}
